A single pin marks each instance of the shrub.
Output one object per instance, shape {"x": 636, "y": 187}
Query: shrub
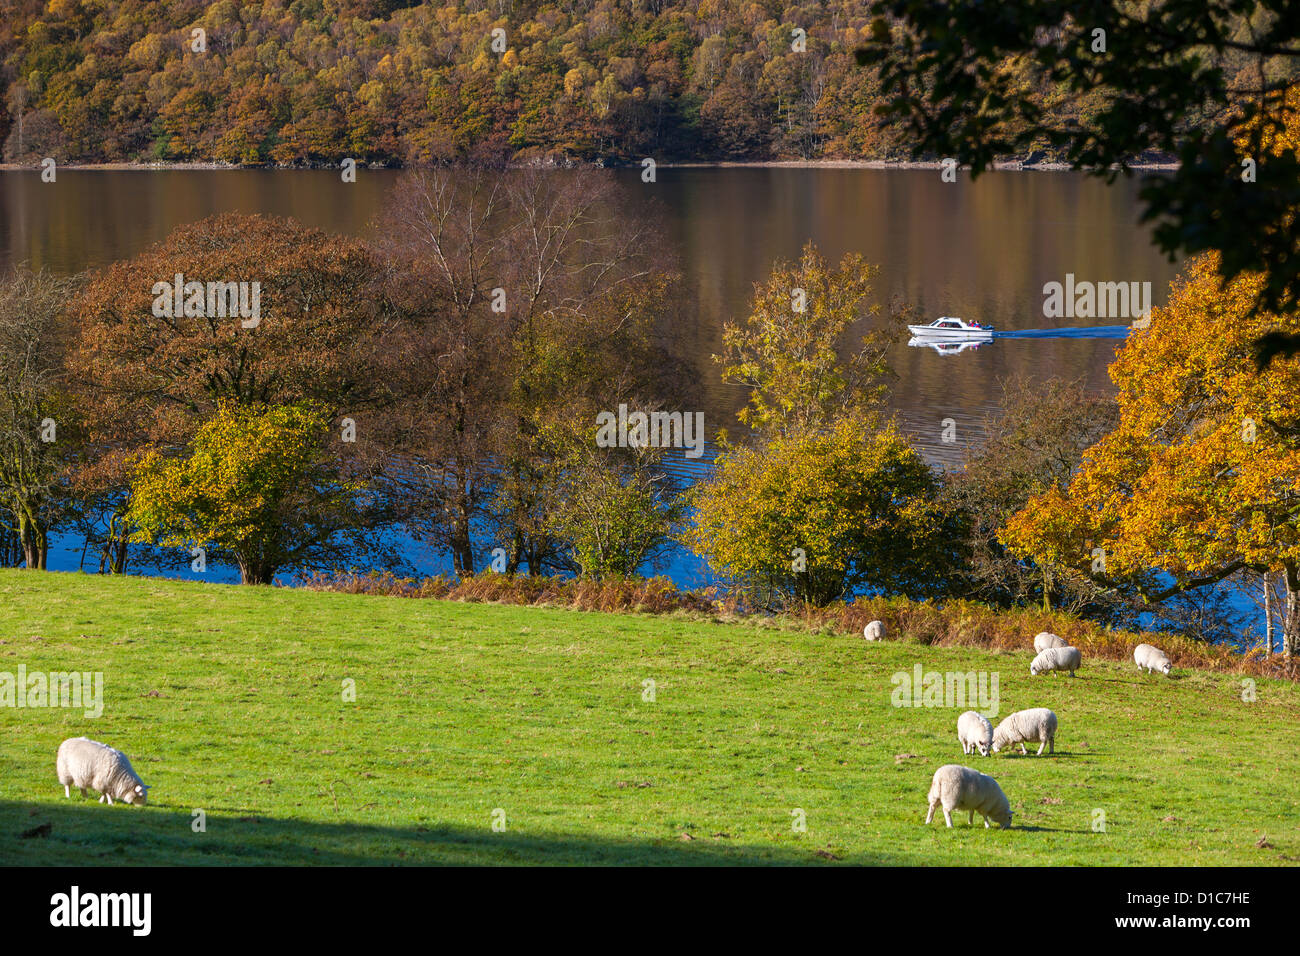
{"x": 816, "y": 516}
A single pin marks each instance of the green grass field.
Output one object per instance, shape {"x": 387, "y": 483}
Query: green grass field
{"x": 229, "y": 700}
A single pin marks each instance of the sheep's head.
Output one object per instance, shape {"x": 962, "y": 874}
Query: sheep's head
{"x": 1166, "y": 667}
{"x": 1033, "y": 669}
{"x": 139, "y": 795}
{"x": 1006, "y": 824}
{"x": 983, "y": 748}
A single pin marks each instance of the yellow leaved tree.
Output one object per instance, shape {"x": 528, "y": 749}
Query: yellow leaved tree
{"x": 257, "y": 484}
{"x": 1201, "y": 477}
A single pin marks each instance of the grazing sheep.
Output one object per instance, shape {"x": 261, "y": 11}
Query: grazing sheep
{"x": 875, "y": 631}
{"x": 86, "y": 763}
{"x": 975, "y": 733}
{"x": 1152, "y": 659}
{"x": 1057, "y": 659}
{"x": 1036, "y": 724}
{"x": 960, "y": 788}
{"x": 1045, "y": 640}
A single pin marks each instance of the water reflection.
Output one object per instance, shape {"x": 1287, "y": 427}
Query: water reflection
{"x": 945, "y": 348}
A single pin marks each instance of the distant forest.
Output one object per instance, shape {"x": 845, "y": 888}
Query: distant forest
{"x": 383, "y": 81}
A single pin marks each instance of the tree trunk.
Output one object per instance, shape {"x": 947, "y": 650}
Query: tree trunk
{"x": 516, "y": 556}
{"x": 115, "y": 545}
{"x": 1291, "y": 617}
{"x": 462, "y": 541}
{"x": 117, "y": 559}
{"x": 462, "y": 545}
{"x": 462, "y": 554}
{"x": 1268, "y": 610}
{"x": 255, "y": 571}
{"x": 35, "y": 543}
{"x": 11, "y": 551}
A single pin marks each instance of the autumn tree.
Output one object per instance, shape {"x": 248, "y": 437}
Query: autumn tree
{"x": 787, "y": 351}
{"x": 612, "y": 509}
{"x": 1200, "y": 479}
{"x": 827, "y": 497}
{"x": 1033, "y": 442}
{"x": 267, "y": 313}
{"x": 526, "y": 293}
{"x": 261, "y": 484}
{"x": 34, "y": 407}
{"x": 820, "y": 516}
{"x": 443, "y": 236}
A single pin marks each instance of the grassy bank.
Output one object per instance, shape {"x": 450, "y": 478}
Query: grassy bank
{"x": 229, "y": 700}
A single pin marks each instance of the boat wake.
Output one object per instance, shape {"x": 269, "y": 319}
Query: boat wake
{"x": 1082, "y": 332}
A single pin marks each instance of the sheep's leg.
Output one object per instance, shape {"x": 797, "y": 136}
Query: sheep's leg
{"x": 930, "y": 816}
{"x": 83, "y": 792}
{"x": 947, "y": 817}
{"x": 986, "y": 822}
{"x": 1023, "y": 751}
{"x": 1073, "y": 674}
{"x": 109, "y": 799}
{"x": 1051, "y": 744}
{"x": 67, "y": 791}
{"x": 1040, "y": 749}
{"x": 970, "y": 821}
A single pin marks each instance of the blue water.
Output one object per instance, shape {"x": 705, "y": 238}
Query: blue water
{"x": 417, "y": 559}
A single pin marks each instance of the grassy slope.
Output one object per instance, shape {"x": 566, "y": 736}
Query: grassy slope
{"x": 465, "y": 708}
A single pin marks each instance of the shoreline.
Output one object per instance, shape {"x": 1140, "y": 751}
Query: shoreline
{"x": 1000, "y": 166}
{"x": 1010, "y": 165}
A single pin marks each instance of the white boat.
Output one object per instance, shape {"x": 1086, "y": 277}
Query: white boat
{"x": 951, "y": 328}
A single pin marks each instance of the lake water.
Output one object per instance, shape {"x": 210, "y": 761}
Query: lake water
{"x": 980, "y": 250}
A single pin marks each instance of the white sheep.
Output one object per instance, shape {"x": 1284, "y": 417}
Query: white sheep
{"x": 86, "y": 763}
{"x": 960, "y": 788}
{"x": 875, "y": 631}
{"x": 1039, "y": 724}
{"x": 975, "y": 733}
{"x": 1044, "y": 640}
{"x": 1152, "y": 658}
{"x": 1057, "y": 659}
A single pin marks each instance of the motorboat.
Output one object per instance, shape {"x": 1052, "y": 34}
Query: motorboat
{"x": 952, "y": 328}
